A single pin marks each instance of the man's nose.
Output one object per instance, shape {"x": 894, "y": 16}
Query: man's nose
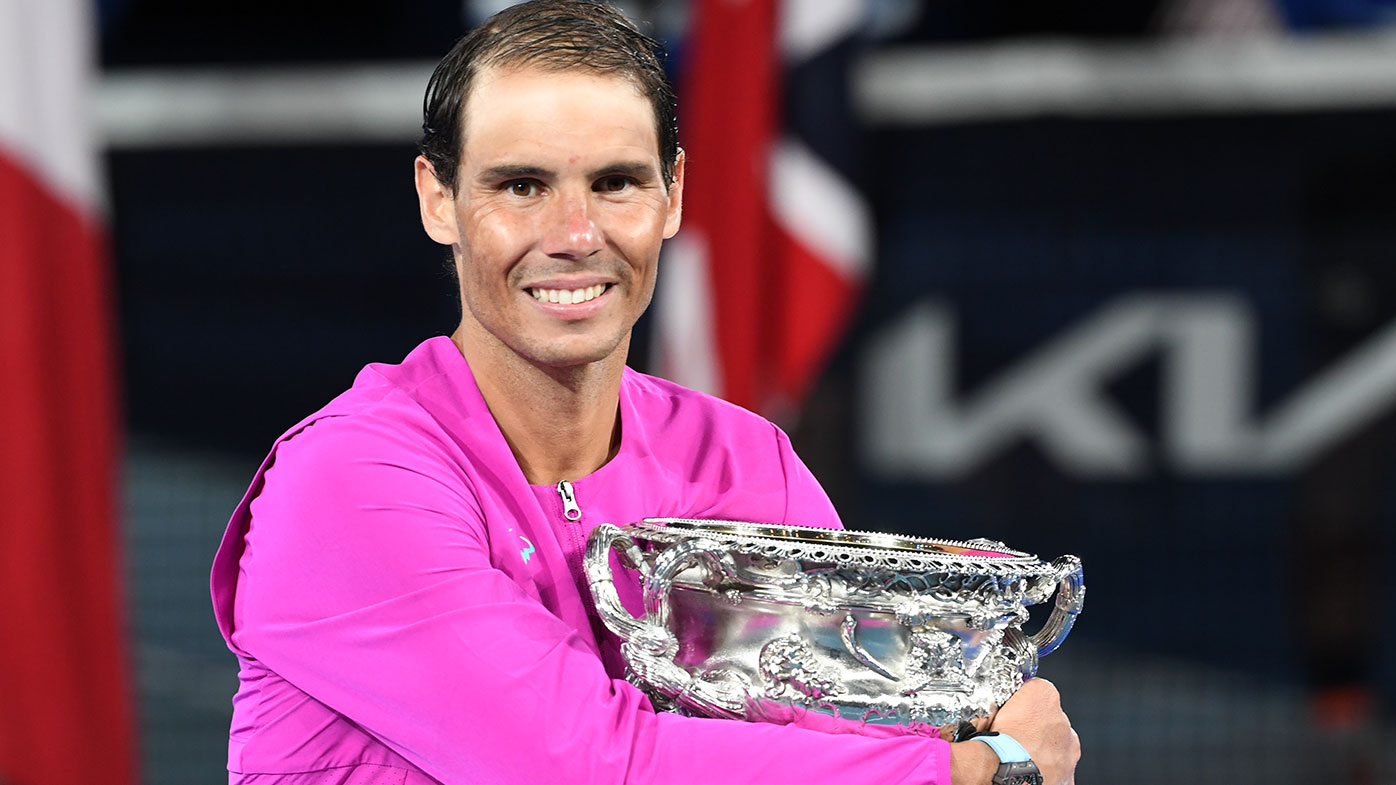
{"x": 572, "y": 232}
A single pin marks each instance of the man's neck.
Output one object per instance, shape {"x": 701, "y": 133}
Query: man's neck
{"x": 561, "y": 424}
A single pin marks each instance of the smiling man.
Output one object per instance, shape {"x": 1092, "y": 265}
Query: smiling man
{"x": 554, "y": 218}
{"x": 402, "y": 584}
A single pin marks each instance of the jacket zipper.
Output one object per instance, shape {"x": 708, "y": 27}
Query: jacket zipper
{"x": 570, "y": 510}
{"x": 573, "y": 513}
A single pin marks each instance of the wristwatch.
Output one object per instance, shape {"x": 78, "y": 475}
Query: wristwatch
{"x": 1015, "y": 764}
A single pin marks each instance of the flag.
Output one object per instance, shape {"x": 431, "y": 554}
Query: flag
{"x": 758, "y": 286}
{"x": 65, "y": 709}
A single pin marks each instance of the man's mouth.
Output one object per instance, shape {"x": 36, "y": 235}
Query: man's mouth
{"x": 569, "y": 296}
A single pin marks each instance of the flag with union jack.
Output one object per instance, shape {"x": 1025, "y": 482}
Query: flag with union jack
{"x": 757, "y": 288}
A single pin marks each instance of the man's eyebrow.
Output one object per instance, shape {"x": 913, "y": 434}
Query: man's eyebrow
{"x": 516, "y": 172}
{"x": 637, "y": 169}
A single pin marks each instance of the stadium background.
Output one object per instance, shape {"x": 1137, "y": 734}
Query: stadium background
{"x": 1130, "y": 288}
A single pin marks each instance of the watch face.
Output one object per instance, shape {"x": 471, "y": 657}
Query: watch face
{"x": 1021, "y": 773}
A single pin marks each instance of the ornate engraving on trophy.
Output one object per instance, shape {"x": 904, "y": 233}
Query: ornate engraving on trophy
{"x": 848, "y": 635}
{"x": 792, "y": 670}
{"x": 936, "y": 658}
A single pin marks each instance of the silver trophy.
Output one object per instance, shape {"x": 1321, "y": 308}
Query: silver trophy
{"x": 758, "y": 622}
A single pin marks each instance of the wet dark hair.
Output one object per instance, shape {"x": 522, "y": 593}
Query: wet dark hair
{"x": 549, "y": 34}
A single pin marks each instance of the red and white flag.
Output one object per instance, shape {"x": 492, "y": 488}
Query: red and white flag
{"x": 757, "y": 288}
{"x": 65, "y": 707}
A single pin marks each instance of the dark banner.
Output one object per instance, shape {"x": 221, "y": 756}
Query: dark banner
{"x": 1167, "y": 346}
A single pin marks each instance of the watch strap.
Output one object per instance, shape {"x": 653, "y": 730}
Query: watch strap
{"x": 1006, "y": 747}
{"x": 1015, "y": 764}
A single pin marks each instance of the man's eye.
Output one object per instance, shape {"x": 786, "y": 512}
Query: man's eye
{"x": 614, "y": 183}
{"x": 523, "y": 188}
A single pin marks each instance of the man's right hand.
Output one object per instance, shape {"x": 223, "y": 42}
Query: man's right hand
{"x": 1035, "y": 718}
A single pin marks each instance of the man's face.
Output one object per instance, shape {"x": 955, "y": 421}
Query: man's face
{"x": 559, "y": 212}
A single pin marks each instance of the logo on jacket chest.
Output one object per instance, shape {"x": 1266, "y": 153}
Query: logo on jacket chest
{"x": 525, "y": 552}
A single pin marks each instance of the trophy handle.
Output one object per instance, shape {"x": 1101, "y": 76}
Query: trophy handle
{"x": 597, "y": 564}
{"x": 650, "y": 646}
{"x": 1071, "y": 594}
{"x": 674, "y": 560}
{"x": 713, "y": 694}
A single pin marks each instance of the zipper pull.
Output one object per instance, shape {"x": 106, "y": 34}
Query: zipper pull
{"x": 570, "y": 510}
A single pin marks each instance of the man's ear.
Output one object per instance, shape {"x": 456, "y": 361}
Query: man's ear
{"x": 675, "y": 215}
{"x": 437, "y": 205}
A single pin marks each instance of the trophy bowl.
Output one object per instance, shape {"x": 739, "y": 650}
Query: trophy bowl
{"x": 758, "y": 621}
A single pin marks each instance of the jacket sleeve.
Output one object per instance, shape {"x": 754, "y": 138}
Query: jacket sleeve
{"x": 366, "y": 582}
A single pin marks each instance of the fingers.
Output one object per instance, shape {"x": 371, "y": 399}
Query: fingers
{"x": 951, "y": 730}
{"x": 1042, "y": 689}
{"x": 1035, "y": 718}
{"x": 984, "y": 723}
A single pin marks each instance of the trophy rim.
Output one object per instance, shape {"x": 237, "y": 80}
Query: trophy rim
{"x": 898, "y": 551}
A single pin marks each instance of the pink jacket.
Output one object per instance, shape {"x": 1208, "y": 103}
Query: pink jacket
{"x": 406, "y": 608}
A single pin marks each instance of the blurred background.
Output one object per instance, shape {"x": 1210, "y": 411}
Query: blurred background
{"x": 1111, "y": 279}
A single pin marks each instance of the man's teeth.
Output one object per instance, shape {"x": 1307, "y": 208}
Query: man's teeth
{"x": 568, "y": 296}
